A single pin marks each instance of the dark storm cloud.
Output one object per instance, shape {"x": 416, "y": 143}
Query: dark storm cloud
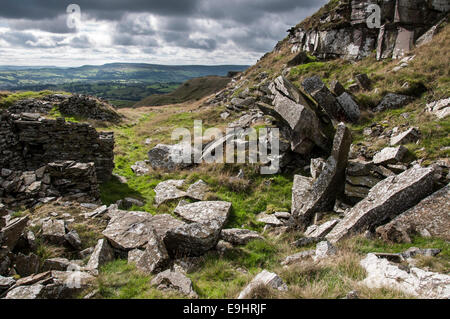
{"x": 104, "y": 9}
{"x": 237, "y": 10}
{"x": 53, "y": 25}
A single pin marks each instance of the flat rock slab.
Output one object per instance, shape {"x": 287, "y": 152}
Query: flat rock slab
{"x": 430, "y": 218}
{"x": 267, "y": 219}
{"x": 169, "y": 190}
{"x": 174, "y": 281}
{"x": 417, "y": 282}
{"x": 198, "y": 190}
{"x": 237, "y": 236}
{"x": 265, "y": 279}
{"x": 390, "y": 155}
{"x": 387, "y": 199}
{"x": 190, "y": 240}
{"x": 129, "y": 230}
{"x": 213, "y": 214}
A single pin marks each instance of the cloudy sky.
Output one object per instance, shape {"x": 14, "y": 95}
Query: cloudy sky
{"x": 210, "y": 32}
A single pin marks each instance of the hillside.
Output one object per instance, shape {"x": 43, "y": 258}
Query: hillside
{"x": 122, "y": 83}
{"x": 191, "y": 90}
{"x": 357, "y": 207}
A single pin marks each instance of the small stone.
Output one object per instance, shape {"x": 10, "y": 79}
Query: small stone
{"x": 264, "y": 279}
{"x": 324, "y": 249}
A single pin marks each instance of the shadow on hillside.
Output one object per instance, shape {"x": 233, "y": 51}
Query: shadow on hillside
{"x": 114, "y": 190}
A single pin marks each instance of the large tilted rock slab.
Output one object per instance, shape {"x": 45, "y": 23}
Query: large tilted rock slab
{"x": 129, "y": 230}
{"x": 387, "y": 199}
{"x": 322, "y": 95}
{"x": 431, "y": 217}
{"x": 213, "y": 214}
{"x": 103, "y": 253}
{"x": 416, "y": 282}
{"x": 154, "y": 258}
{"x": 13, "y": 230}
{"x": 293, "y": 110}
{"x": 322, "y": 194}
{"x": 263, "y": 279}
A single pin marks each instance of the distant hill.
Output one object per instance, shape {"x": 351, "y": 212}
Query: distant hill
{"x": 194, "y": 89}
{"x": 123, "y": 84}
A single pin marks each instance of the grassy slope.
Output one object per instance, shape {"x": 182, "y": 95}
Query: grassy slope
{"x": 192, "y": 90}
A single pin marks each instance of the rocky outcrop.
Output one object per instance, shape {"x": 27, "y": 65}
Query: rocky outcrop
{"x": 295, "y": 113}
{"x": 343, "y": 30}
{"x": 320, "y": 196}
{"x": 415, "y": 282}
{"x": 28, "y": 144}
{"x": 428, "y": 218}
{"x": 386, "y": 200}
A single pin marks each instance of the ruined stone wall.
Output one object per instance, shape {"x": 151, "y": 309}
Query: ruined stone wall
{"x": 28, "y": 143}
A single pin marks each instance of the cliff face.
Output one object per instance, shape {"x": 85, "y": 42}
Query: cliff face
{"x": 340, "y": 29}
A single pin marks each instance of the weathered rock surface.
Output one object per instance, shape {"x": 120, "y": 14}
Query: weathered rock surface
{"x": 190, "y": 240}
{"x": 392, "y": 101}
{"x": 324, "y": 249}
{"x": 416, "y": 282}
{"x": 431, "y": 217}
{"x": 263, "y": 279}
{"x": 169, "y": 190}
{"x": 349, "y": 107}
{"x": 237, "y": 236}
{"x": 390, "y": 155}
{"x": 387, "y": 199}
{"x": 174, "y": 281}
{"x": 140, "y": 168}
{"x": 213, "y": 214}
{"x": 168, "y": 157}
{"x": 129, "y": 230}
{"x": 320, "y": 231}
{"x": 440, "y": 108}
{"x": 154, "y": 258}
{"x": 320, "y": 196}
{"x": 322, "y": 95}
{"x": 102, "y": 254}
{"x": 198, "y": 190}
{"x": 13, "y": 231}
{"x": 267, "y": 219}
{"x": 54, "y": 231}
{"x": 410, "y": 136}
{"x": 299, "y": 257}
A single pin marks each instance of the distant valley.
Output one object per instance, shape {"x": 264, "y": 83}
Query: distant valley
{"x": 123, "y": 84}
